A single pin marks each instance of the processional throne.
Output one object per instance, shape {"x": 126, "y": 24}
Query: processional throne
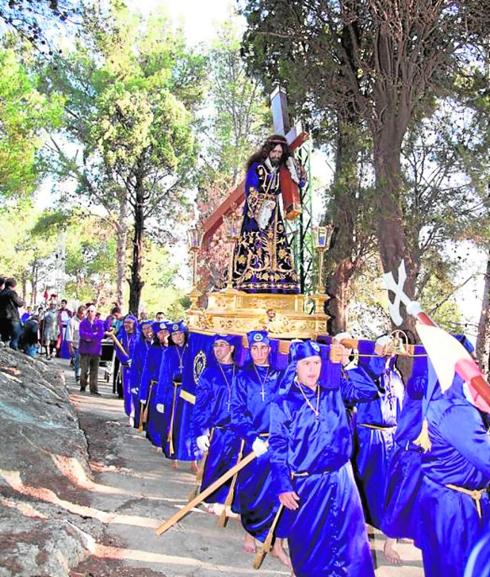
{"x": 284, "y": 316}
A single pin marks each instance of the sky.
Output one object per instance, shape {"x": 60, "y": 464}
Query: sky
{"x": 199, "y": 18}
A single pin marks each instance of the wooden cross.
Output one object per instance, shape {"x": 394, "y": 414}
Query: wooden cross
{"x": 280, "y": 115}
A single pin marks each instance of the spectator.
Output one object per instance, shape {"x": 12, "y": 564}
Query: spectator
{"x": 10, "y": 302}
{"x": 26, "y": 315}
{"x": 113, "y": 323}
{"x": 114, "y": 320}
{"x": 50, "y": 330}
{"x": 160, "y": 316}
{"x": 64, "y": 316}
{"x": 29, "y": 340}
{"x": 73, "y": 339}
{"x": 91, "y": 333}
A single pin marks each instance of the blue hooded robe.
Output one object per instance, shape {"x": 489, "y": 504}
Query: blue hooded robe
{"x": 376, "y": 422}
{"x": 212, "y": 414}
{"x": 404, "y": 477}
{"x": 147, "y": 393}
{"x": 451, "y": 520}
{"x": 176, "y": 391}
{"x": 256, "y": 387}
{"x": 128, "y": 341}
{"x": 310, "y": 455}
{"x": 141, "y": 349}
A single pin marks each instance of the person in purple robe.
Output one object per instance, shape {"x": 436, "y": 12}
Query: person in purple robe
{"x": 153, "y": 420}
{"x": 141, "y": 349}
{"x": 262, "y": 261}
{"x": 175, "y": 396}
{"x": 311, "y": 445}
{"x": 404, "y": 474}
{"x": 454, "y": 501}
{"x": 64, "y": 316}
{"x": 257, "y": 383}
{"x": 211, "y": 421}
{"x": 376, "y": 422}
{"x": 128, "y": 336}
{"x": 91, "y": 332}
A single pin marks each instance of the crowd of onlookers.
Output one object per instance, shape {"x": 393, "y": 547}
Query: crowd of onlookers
{"x": 52, "y": 329}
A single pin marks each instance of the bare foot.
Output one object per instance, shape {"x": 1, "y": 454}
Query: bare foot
{"x": 249, "y": 544}
{"x": 279, "y": 553}
{"x": 194, "y": 467}
{"x": 175, "y": 465}
{"x": 390, "y": 553}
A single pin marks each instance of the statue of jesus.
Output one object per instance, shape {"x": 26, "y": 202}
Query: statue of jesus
{"x": 262, "y": 261}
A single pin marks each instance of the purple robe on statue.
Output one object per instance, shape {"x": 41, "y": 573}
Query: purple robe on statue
{"x": 262, "y": 262}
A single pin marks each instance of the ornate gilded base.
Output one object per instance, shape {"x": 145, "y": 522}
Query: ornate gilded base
{"x": 283, "y": 316}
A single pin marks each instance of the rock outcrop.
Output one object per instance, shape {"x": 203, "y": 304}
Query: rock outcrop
{"x": 43, "y": 464}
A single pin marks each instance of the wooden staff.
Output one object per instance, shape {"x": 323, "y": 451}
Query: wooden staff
{"x": 223, "y": 518}
{"x": 200, "y": 498}
{"x": 200, "y": 470}
{"x": 267, "y": 546}
{"x": 117, "y": 343}
{"x": 145, "y": 407}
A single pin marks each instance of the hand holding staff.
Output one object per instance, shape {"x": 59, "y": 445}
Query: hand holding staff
{"x": 118, "y": 344}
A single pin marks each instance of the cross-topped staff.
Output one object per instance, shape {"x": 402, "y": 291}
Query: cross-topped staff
{"x": 447, "y": 355}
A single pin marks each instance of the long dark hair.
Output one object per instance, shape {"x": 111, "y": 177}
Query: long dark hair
{"x": 263, "y": 153}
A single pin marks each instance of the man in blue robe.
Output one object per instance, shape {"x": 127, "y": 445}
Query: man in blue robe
{"x": 141, "y": 349}
{"x": 256, "y": 386}
{"x": 128, "y": 337}
{"x": 262, "y": 260}
{"x": 356, "y": 385}
{"x": 376, "y": 422}
{"x": 175, "y": 396}
{"x": 212, "y": 418}
{"x": 404, "y": 475}
{"x": 149, "y": 380}
{"x": 113, "y": 323}
{"x": 311, "y": 446}
{"x": 454, "y": 499}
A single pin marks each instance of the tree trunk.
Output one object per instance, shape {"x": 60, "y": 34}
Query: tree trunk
{"x": 24, "y": 286}
{"x": 122, "y": 238}
{"x": 483, "y": 340}
{"x": 393, "y": 245}
{"x": 34, "y": 282}
{"x": 338, "y": 288}
{"x": 343, "y": 214}
{"x": 135, "y": 283}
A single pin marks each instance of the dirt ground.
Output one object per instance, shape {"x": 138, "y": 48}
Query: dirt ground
{"x": 134, "y": 489}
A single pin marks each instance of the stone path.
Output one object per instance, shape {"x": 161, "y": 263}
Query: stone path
{"x": 134, "y": 488}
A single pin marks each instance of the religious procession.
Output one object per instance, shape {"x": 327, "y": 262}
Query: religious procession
{"x": 307, "y": 440}
{"x": 315, "y": 366}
